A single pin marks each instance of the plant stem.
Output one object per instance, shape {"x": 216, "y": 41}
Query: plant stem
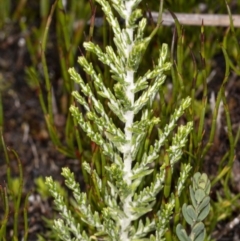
{"x": 129, "y": 116}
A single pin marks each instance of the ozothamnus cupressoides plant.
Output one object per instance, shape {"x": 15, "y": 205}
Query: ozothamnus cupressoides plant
{"x": 127, "y": 203}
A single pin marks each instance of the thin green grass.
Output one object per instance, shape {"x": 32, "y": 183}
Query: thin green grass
{"x": 13, "y": 192}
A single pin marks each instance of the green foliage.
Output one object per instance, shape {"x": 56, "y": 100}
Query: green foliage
{"x": 4, "y": 11}
{"x": 187, "y": 77}
{"x": 127, "y": 202}
{"x": 12, "y": 193}
{"x": 68, "y": 38}
{"x": 194, "y": 214}
{"x": 43, "y": 190}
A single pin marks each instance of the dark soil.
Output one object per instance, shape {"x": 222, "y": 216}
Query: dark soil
{"x": 25, "y": 132}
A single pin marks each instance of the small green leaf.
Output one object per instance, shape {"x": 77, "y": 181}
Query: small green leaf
{"x": 196, "y": 177}
{"x": 199, "y": 195}
{"x": 188, "y": 219}
{"x": 203, "y": 214}
{"x": 203, "y": 181}
{"x": 181, "y": 233}
{"x": 197, "y": 229}
{"x": 201, "y": 236}
{"x": 198, "y": 232}
{"x": 193, "y": 197}
{"x": 204, "y": 203}
{"x": 192, "y": 213}
{"x": 208, "y": 187}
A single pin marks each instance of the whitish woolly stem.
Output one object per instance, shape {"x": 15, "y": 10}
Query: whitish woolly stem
{"x": 129, "y": 116}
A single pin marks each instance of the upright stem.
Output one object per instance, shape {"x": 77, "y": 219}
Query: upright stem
{"x": 129, "y": 116}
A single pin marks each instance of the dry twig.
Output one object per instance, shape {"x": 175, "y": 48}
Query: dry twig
{"x": 214, "y": 20}
{"x": 221, "y": 20}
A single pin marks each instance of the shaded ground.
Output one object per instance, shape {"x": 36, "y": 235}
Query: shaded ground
{"x": 25, "y": 131}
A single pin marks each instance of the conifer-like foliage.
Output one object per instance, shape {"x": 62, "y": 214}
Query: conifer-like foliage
{"x": 129, "y": 208}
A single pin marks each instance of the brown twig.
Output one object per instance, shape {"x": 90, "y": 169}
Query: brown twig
{"x": 214, "y": 20}
{"x": 221, "y": 20}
